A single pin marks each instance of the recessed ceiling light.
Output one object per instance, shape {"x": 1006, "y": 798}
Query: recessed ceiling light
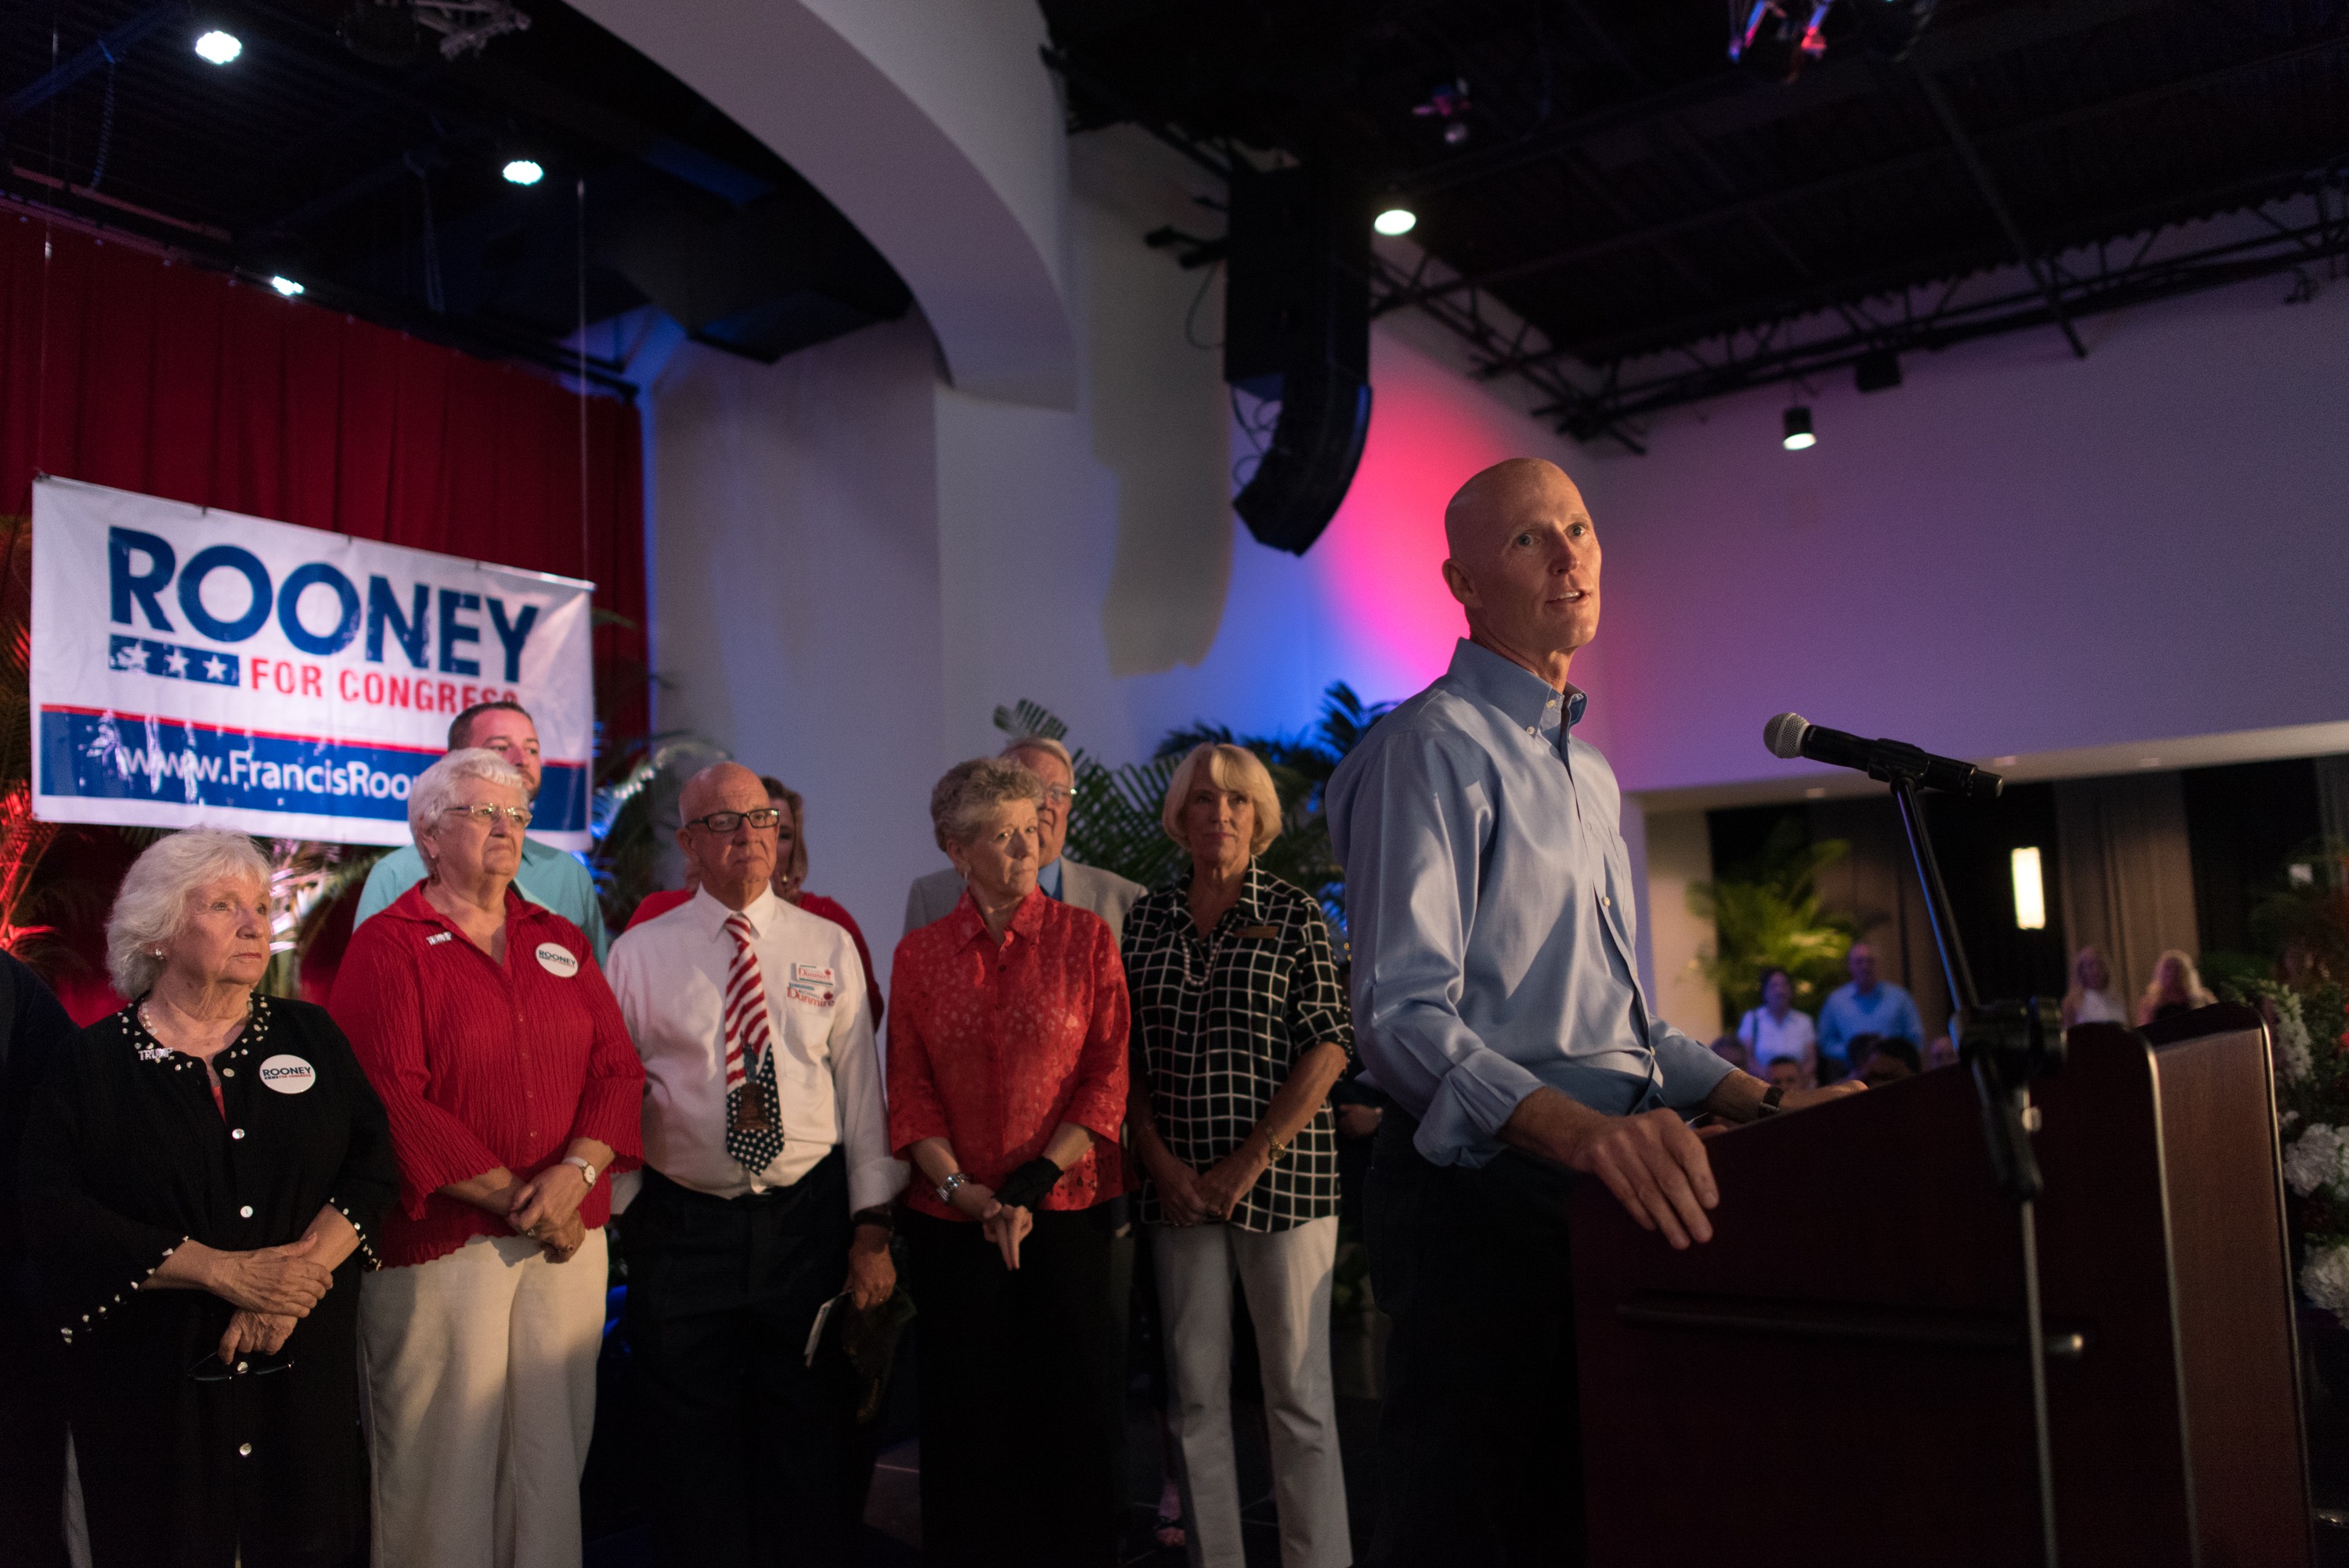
{"x": 2148, "y": 762}
{"x": 219, "y": 47}
{"x": 2005, "y": 761}
{"x": 1816, "y": 792}
{"x": 1395, "y": 221}
{"x": 523, "y": 171}
{"x": 285, "y": 286}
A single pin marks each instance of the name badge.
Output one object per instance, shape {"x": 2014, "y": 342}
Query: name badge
{"x": 288, "y": 1075}
{"x": 812, "y": 983}
{"x": 557, "y": 959}
{"x": 1254, "y": 933}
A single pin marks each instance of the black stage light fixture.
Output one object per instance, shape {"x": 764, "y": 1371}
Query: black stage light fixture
{"x": 1798, "y": 437}
{"x": 1876, "y": 372}
{"x": 1296, "y": 330}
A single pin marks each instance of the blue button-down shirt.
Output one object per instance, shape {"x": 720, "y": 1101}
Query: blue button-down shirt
{"x": 1489, "y": 895}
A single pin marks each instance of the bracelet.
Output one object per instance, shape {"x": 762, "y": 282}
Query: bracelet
{"x": 880, "y": 1214}
{"x": 1028, "y": 1187}
{"x": 947, "y": 1187}
{"x": 1277, "y": 1152}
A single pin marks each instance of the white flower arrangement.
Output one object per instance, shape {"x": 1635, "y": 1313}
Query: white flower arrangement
{"x": 2325, "y": 1279}
{"x": 2318, "y": 1160}
{"x": 2293, "y": 1044}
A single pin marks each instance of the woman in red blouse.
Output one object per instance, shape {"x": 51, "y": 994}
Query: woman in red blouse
{"x": 513, "y": 1090}
{"x": 1006, "y": 1090}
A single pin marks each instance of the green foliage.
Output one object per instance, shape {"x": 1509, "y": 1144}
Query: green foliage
{"x": 1765, "y": 915}
{"x": 2302, "y": 921}
{"x": 1114, "y": 822}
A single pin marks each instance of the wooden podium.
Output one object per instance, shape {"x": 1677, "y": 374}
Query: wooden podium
{"x": 1839, "y": 1378}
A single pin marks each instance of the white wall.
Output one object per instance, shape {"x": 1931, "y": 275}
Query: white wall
{"x": 2014, "y": 553}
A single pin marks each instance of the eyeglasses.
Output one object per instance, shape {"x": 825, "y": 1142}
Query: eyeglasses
{"x": 1060, "y": 794}
{"x": 724, "y": 822}
{"x": 487, "y": 816}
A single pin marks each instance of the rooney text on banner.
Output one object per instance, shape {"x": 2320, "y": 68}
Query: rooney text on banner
{"x": 193, "y": 667}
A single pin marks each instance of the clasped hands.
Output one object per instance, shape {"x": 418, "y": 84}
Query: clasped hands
{"x": 546, "y": 1209}
{"x": 1189, "y": 1196}
{"x": 272, "y": 1288}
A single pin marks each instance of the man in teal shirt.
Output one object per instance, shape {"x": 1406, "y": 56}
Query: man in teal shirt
{"x": 551, "y": 878}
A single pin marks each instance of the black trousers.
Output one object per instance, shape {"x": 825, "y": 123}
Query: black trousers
{"x": 747, "y": 1441}
{"x": 1023, "y": 1417}
{"x": 32, "y": 1443}
{"x": 1480, "y": 1444}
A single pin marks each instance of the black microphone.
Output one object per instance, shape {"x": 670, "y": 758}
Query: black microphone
{"x": 1790, "y": 736}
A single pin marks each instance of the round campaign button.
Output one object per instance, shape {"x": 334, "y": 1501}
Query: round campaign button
{"x": 556, "y": 959}
{"x": 288, "y": 1075}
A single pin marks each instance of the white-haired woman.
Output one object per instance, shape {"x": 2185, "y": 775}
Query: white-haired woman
{"x": 513, "y": 1091}
{"x": 1242, "y": 1027}
{"x": 1006, "y": 1088}
{"x": 2175, "y": 989}
{"x": 202, "y": 1177}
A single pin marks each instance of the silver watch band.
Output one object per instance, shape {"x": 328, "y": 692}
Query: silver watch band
{"x": 947, "y": 1188}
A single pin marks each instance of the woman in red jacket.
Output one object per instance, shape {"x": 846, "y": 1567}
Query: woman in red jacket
{"x": 513, "y": 1090}
{"x": 1006, "y": 1088}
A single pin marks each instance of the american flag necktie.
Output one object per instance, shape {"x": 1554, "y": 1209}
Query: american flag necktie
{"x": 754, "y": 1119}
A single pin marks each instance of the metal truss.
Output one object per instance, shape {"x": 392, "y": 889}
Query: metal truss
{"x": 2304, "y": 230}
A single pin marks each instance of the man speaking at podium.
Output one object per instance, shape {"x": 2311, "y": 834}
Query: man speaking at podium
{"x": 1490, "y": 904}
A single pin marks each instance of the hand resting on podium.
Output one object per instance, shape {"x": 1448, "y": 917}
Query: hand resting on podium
{"x": 1653, "y": 1163}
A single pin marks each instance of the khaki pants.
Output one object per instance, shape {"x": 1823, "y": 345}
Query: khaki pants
{"x": 1286, "y": 1275}
{"x": 481, "y": 1380}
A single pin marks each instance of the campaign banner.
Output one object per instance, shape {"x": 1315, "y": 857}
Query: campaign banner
{"x": 193, "y": 667}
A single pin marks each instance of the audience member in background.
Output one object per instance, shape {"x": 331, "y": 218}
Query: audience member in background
{"x": 202, "y": 1174}
{"x": 1731, "y": 1049}
{"x": 1887, "y": 1059}
{"x": 767, "y": 1183}
{"x": 1866, "y": 1007}
{"x": 549, "y": 877}
{"x": 1775, "y": 1029}
{"x": 1941, "y": 1053}
{"x": 1786, "y": 1073}
{"x": 2176, "y": 988}
{"x": 790, "y": 874}
{"x": 2091, "y": 999}
{"x": 1106, "y": 893}
{"x": 34, "y": 1032}
{"x": 1007, "y": 1039}
{"x": 1241, "y": 1029}
{"x": 487, "y": 1027}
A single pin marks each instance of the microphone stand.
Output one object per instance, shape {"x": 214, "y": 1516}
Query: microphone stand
{"x": 2005, "y": 1045}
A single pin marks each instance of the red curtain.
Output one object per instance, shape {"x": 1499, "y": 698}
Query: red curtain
{"x": 124, "y": 368}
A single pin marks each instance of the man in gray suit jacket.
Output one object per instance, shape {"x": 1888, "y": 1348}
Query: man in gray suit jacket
{"x": 1106, "y": 893}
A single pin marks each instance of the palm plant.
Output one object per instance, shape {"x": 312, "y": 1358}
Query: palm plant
{"x": 1766, "y": 915}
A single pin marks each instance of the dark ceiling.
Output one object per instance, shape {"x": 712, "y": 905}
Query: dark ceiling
{"x": 374, "y": 180}
{"x": 1614, "y": 179}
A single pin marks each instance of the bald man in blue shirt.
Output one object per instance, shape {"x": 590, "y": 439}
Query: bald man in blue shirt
{"x": 1490, "y": 901}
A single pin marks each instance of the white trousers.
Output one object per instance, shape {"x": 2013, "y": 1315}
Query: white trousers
{"x": 1285, "y": 1275}
{"x": 480, "y": 1381}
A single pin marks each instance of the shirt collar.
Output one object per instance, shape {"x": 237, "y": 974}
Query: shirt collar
{"x": 1249, "y": 904}
{"x": 1527, "y": 701}
{"x": 713, "y": 915}
{"x": 1025, "y": 920}
{"x": 1049, "y": 878}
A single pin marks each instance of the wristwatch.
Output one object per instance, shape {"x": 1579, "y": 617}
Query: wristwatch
{"x": 585, "y": 1169}
{"x": 1770, "y": 1098}
{"x": 947, "y": 1188}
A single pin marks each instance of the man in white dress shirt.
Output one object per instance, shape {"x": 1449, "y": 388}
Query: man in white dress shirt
{"x": 766, "y": 1186}
{"x": 933, "y": 897}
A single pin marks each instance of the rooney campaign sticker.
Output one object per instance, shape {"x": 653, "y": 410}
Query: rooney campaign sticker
{"x": 811, "y": 983}
{"x": 556, "y": 959}
{"x": 288, "y": 1075}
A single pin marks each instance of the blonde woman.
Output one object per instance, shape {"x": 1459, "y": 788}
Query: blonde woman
{"x": 2091, "y": 999}
{"x": 1241, "y": 1025}
{"x": 2176, "y": 988}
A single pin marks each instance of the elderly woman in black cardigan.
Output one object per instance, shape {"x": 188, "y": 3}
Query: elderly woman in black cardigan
{"x": 199, "y": 1178}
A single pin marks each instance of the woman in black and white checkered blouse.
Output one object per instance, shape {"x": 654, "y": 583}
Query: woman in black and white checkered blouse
{"x": 1241, "y": 1026}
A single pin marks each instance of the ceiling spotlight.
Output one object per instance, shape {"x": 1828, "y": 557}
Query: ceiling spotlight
{"x": 219, "y": 47}
{"x": 523, "y": 171}
{"x": 285, "y": 286}
{"x": 1395, "y": 221}
{"x": 1798, "y": 430}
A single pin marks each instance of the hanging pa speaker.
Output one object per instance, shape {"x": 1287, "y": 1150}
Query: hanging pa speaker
{"x": 1297, "y": 329}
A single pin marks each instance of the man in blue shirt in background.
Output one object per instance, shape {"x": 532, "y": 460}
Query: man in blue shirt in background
{"x": 1490, "y": 901}
{"x": 1866, "y": 1007}
{"x": 551, "y": 878}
